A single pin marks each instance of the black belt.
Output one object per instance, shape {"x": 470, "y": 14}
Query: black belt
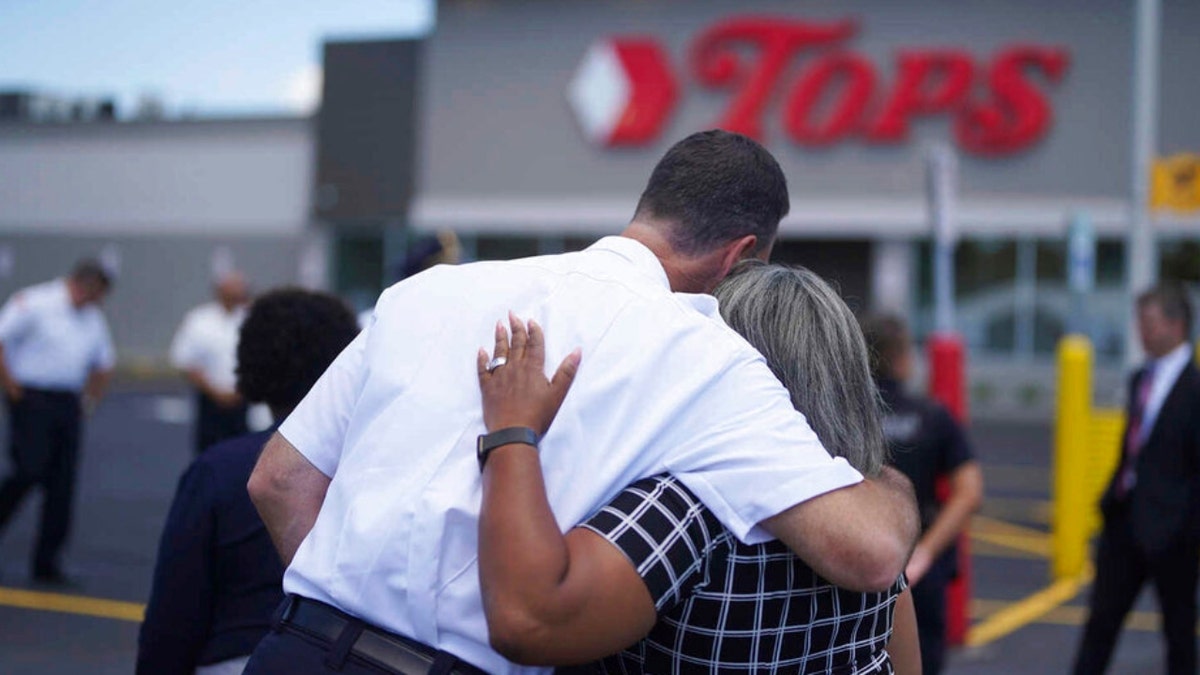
{"x": 395, "y": 652}
{"x": 51, "y": 393}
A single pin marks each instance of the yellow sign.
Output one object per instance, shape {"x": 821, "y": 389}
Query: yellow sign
{"x": 1175, "y": 183}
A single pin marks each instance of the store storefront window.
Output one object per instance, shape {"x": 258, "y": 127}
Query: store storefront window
{"x": 358, "y": 266}
{"x": 1012, "y": 299}
{"x": 1180, "y": 261}
{"x": 504, "y": 248}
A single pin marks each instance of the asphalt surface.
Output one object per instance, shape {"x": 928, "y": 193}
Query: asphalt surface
{"x": 138, "y": 443}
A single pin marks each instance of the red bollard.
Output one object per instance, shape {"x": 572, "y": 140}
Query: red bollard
{"x": 948, "y": 385}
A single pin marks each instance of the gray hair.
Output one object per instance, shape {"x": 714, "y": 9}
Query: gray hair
{"x": 813, "y": 344}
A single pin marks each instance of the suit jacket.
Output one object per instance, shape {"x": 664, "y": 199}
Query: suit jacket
{"x": 1165, "y": 502}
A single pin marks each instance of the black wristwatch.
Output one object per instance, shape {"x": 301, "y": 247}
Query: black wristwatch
{"x": 489, "y": 442}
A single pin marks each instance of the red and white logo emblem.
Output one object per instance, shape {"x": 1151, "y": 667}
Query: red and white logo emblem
{"x": 623, "y": 91}
{"x": 825, "y": 93}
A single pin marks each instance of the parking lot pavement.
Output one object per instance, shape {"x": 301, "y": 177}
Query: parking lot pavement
{"x": 137, "y": 445}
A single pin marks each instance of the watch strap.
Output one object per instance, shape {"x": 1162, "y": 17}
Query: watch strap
{"x": 495, "y": 439}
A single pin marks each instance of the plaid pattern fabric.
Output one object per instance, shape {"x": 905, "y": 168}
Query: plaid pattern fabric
{"x": 726, "y": 607}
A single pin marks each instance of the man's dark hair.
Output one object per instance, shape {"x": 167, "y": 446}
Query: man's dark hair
{"x": 1172, "y": 299}
{"x": 887, "y": 340}
{"x": 90, "y": 272}
{"x": 289, "y": 338}
{"x": 713, "y": 187}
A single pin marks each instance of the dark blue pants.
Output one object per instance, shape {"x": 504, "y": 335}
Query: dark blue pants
{"x": 929, "y": 603}
{"x": 44, "y": 449}
{"x": 215, "y": 424}
{"x": 1122, "y": 569}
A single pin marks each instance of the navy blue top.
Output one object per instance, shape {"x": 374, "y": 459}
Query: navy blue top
{"x": 926, "y": 442}
{"x": 218, "y": 578}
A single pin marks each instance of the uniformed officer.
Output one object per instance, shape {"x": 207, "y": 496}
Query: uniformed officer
{"x": 927, "y": 444}
{"x": 205, "y": 351}
{"x": 56, "y": 355}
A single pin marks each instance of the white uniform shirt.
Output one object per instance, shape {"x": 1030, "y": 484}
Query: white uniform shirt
{"x": 207, "y": 340}
{"x": 664, "y": 386}
{"x": 48, "y": 343}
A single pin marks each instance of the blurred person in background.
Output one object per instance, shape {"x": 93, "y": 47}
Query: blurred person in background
{"x": 218, "y": 578}
{"x": 428, "y": 251}
{"x": 56, "y": 357}
{"x": 205, "y": 351}
{"x": 653, "y": 574}
{"x": 927, "y": 444}
{"x": 1151, "y": 507}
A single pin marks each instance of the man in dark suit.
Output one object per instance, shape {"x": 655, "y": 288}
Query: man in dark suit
{"x": 1152, "y": 505}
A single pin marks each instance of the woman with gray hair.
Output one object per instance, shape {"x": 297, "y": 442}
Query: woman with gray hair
{"x": 653, "y": 582}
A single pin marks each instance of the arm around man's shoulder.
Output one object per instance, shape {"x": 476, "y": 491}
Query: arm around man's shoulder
{"x": 755, "y": 461}
{"x": 857, "y": 537}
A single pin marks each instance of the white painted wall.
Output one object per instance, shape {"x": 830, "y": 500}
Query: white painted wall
{"x": 228, "y": 177}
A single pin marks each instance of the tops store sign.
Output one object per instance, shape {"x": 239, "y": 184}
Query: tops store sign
{"x": 626, "y": 88}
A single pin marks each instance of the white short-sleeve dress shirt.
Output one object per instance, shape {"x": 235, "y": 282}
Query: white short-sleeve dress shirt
{"x": 664, "y": 387}
{"x": 48, "y": 343}
{"x": 207, "y": 341}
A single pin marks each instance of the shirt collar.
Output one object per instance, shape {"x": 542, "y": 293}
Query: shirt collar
{"x": 1172, "y": 362}
{"x": 63, "y": 294}
{"x": 637, "y": 254}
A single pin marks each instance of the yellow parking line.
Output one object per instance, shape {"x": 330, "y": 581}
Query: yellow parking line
{"x": 1024, "y": 612}
{"x": 1036, "y": 511}
{"x": 1027, "y": 540}
{"x": 72, "y": 604}
{"x": 1035, "y": 546}
{"x": 1072, "y": 615}
{"x": 985, "y": 524}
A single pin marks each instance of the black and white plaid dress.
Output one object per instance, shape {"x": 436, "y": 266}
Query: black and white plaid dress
{"x": 727, "y": 607}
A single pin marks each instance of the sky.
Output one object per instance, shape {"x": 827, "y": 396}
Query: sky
{"x": 210, "y": 57}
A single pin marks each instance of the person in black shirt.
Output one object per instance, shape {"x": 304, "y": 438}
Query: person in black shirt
{"x": 218, "y": 578}
{"x": 926, "y": 444}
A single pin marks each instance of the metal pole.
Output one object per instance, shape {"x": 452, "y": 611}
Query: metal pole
{"x": 941, "y": 190}
{"x": 1025, "y": 297}
{"x": 1142, "y": 256}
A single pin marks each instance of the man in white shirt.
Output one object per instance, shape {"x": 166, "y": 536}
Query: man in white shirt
{"x": 205, "y": 351}
{"x": 1151, "y": 507}
{"x": 56, "y": 356}
{"x": 371, "y": 487}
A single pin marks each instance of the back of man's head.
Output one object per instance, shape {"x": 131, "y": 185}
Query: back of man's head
{"x": 1172, "y": 299}
{"x": 90, "y": 271}
{"x": 713, "y": 187}
{"x": 887, "y": 342}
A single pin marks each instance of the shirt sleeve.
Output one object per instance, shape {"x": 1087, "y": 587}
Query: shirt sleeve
{"x": 666, "y": 533}
{"x": 183, "y": 353}
{"x": 748, "y": 453}
{"x": 955, "y": 449}
{"x": 106, "y": 356}
{"x": 317, "y": 427}
{"x": 179, "y": 613}
{"x": 16, "y": 318}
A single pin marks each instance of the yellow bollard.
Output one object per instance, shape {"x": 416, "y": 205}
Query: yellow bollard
{"x": 1072, "y": 431}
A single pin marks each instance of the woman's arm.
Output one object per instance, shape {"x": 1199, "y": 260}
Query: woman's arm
{"x": 904, "y": 647}
{"x": 549, "y": 598}
{"x": 179, "y": 613}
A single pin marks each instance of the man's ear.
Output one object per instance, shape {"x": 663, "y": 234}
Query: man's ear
{"x": 737, "y": 250}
